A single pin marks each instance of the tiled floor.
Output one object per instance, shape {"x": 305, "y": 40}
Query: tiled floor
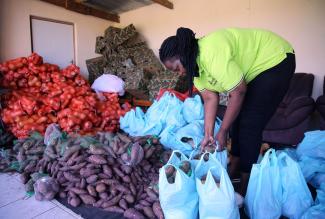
{"x": 15, "y": 205}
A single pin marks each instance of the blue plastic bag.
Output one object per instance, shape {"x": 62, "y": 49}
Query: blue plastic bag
{"x": 172, "y": 136}
{"x": 215, "y": 201}
{"x": 133, "y": 121}
{"x": 264, "y": 193}
{"x": 317, "y": 180}
{"x": 310, "y": 167}
{"x": 313, "y": 145}
{"x": 179, "y": 199}
{"x": 193, "y": 109}
{"x": 318, "y": 210}
{"x": 296, "y": 197}
{"x": 168, "y": 139}
{"x": 159, "y": 110}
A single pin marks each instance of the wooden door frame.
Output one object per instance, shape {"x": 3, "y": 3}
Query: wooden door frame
{"x": 31, "y": 17}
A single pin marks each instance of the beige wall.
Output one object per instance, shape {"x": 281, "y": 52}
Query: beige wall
{"x": 299, "y": 21}
{"x": 15, "y": 29}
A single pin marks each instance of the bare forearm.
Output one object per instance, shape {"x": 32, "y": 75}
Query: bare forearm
{"x": 211, "y": 101}
{"x": 235, "y": 102}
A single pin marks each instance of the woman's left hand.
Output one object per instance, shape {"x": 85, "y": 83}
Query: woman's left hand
{"x": 221, "y": 139}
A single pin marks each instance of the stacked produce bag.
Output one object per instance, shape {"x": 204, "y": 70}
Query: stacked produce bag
{"x": 178, "y": 124}
{"x": 126, "y": 55}
{"x": 42, "y": 94}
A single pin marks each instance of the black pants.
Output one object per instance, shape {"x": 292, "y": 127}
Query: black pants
{"x": 262, "y": 98}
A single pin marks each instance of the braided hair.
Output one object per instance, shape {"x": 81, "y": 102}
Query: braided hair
{"x": 185, "y": 46}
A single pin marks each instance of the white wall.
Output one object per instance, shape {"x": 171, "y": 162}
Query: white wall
{"x": 15, "y": 29}
{"x": 301, "y": 22}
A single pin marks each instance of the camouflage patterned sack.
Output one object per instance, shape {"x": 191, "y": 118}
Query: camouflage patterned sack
{"x": 95, "y": 68}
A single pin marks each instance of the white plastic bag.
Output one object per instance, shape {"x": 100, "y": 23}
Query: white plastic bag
{"x": 264, "y": 192}
{"x": 133, "y": 121}
{"x": 179, "y": 199}
{"x": 296, "y": 197}
{"x": 193, "y": 109}
{"x": 109, "y": 83}
{"x": 215, "y": 201}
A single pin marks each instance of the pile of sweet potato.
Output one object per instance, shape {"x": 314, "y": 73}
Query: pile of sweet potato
{"x": 114, "y": 172}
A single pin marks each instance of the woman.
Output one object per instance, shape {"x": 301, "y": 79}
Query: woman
{"x": 254, "y": 66}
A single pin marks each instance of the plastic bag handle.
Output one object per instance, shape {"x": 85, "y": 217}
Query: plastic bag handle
{"x": 269, "y": 155}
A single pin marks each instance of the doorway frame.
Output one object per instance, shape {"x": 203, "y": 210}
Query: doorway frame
{"x": 31, "y": 17}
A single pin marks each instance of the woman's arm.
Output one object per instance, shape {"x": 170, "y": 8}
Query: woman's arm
{"x": 235, "y": 101}
{"x": 211, "y": 101}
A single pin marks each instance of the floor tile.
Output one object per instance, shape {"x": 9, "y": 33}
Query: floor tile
{"x": 55, "y": 213}
{"x": 54, "y": 201}
{"x": 10, "y": 189}
{"x": 25, "y": 208}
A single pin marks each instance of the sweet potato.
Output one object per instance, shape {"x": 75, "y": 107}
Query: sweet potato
{"x": 148, "y": 212}
{"x": 186, "y": 167}
{"x": 157, "y": 210}
{"x": 126, "y": 169}
{"x": 122, "y": 189}
{"x": 118, "y": 171}
{"x": 35, "y": 151}
{"x": 138, "y": 207}
{"x": 137, "y": 154}
{"x": 124, "y": 138}
{"x": 86, "y": 172}
{"x": 133, "y": 214}
{"x": 108, "y": 171}
{"x": 68, "y": 152}
{"x": 144, "y": 203}
{"x": 112, "y": 201}
{"x": 104, "y": 195}
{"x": 78, "y": 191}
{"x": 24, "y": 177}
{"x": 97, "y": 159}
{"x": 72, "y": 158}
{"x": 217, "y": 181}
{"x": 83, "y": 183}
{"x": 109, "y": 182}
{"x": 99, "y": 203}
{"x": 114, "y": 209}
{"x": 133, "y": 189}
{"x": 123, "y": 204}
{"x": 149, "y": 152}
{"x": 62, "y": 194}
{"x": 101, "y": 187}
{"x": 87, "y": 199}
{"x": 126, "y": 179}
{"x": 95, "y": 150}
{"x": 103, "y": 176}
{"x": 110, "y": 151}
{"x": 91, "y": 190}
{"x": 169, "y": 171}
{"x": 75, "y": 202}
{"x": 129, "y": 198}
{"x": 70, "y": 177}
{"x": 152, "y": 194}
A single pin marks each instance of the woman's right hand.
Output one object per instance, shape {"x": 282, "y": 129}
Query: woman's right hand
{"x": 207, "y": 140}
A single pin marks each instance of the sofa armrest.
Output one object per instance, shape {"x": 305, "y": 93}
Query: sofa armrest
{"x": 297, "y": 111}
{"x": 320, "y": 104}
{"x": 298, "y": 103}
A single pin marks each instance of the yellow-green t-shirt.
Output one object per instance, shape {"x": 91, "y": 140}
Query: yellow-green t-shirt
{"x": 228, "y": 56}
